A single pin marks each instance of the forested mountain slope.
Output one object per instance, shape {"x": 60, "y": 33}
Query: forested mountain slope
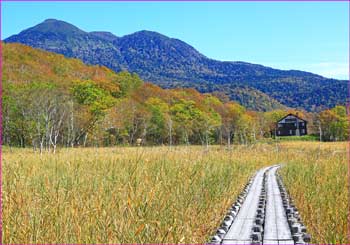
{"x": 51, "y": 100}
{"x": 170, "y": 63}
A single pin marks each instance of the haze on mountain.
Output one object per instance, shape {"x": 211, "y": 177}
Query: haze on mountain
{"x": 170, "y": 63}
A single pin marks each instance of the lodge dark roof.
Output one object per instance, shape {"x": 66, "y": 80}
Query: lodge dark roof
{"x": 291, "y": 114}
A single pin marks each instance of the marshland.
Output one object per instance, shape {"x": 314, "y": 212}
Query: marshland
{"x": 163, "y": 194}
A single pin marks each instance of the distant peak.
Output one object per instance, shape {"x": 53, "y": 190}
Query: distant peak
{"x": 56, "y": 22}
{"x": 56, "y": 26}
{"x": 148, "y": 33}
{"x": 51, "y": 20}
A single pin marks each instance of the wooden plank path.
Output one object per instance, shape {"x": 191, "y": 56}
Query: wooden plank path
{"x": 277, "y": 229}
{"x": 241, "y": 230}
{"x": 263, "y": 214}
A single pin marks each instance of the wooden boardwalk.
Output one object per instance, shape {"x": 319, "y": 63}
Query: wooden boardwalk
{"x": 276, "y": 230}
{"x": 266, "y": 216}
{"x": 241, "y": 230}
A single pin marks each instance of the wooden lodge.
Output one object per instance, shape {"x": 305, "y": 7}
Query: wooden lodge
{"x": 291, "y": 125}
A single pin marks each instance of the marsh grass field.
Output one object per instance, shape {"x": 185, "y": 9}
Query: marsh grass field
{"x": 162, "y": 194}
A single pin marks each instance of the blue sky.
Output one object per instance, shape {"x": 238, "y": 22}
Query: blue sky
{"x": 310, "y": 36}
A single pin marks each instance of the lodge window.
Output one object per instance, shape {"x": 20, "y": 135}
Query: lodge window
{"x": 303, "y": 131}
{"x": 302, "y": 124}
{"x": 290, "y": 132}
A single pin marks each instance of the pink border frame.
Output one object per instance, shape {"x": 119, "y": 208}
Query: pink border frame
{"x": 0, "y": 124}
{"x": 175, "y": 1}
{"x": 348, "y": 113}
{"x": 347, "y": 103}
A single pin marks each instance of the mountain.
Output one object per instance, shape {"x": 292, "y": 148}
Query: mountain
{"x": 45, "y": 94}
{"x": 171, "y": 63}
{"x": 27, "y": 66}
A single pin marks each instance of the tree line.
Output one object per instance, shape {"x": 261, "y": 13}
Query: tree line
{"x": 51, "y": 101}
{"x": 44, "y": 116}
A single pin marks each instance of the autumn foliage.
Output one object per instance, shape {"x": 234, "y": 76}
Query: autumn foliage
{"x": 50, "y": 100}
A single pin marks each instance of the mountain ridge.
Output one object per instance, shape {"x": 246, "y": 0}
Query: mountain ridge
{"x": 170, "y": 62}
